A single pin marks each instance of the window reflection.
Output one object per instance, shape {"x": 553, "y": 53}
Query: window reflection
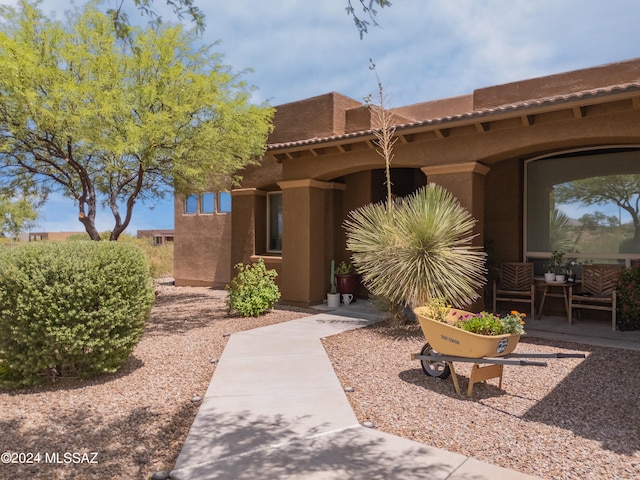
{"x": 584, "y": 202}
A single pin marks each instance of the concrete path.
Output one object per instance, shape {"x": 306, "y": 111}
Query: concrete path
{"x": 276, "y": 410}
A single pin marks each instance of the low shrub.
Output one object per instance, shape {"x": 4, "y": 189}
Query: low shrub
{"x": 253, "y": 291}
{"x": 628, "y": 293}
{"x": 70, "y": 308}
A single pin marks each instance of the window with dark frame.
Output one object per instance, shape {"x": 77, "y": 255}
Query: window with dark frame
{"x": 274, "y": 222}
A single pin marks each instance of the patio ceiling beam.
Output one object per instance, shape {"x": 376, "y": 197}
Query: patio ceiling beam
{"x": 441, "y": 132}
{"x": 406, "y": 138}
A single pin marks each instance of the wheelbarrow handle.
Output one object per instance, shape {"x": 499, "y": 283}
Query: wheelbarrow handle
{"x": 545, "y": 355}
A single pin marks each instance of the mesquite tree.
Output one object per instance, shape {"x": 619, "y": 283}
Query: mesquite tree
{"x": 112, "y": 122}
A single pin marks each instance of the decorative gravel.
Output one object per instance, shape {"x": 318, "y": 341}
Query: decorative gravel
{"x": 574, "y": 419}
{"x": 136, "y": 420}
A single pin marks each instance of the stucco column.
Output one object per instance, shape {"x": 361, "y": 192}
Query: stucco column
{"x": 466, "y": 182}
{"x": 307, "y": 238}
{"x": 248, "y": 223}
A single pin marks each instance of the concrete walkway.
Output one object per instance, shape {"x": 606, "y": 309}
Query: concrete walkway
{"x": 276, "y": 410}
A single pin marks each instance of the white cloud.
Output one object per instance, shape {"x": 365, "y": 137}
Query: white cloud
{"x": 424, "y": 49}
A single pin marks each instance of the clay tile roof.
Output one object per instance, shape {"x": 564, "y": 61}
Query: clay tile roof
{"x": 556, "y": 100}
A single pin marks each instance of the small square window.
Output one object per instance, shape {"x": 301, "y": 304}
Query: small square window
{"x": 207, "y": 205}
{"x": 191, "y": 204}
{"x": 224, "y": 202}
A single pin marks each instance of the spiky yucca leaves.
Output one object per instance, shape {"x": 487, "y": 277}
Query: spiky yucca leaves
{"x": 417, "y": 250}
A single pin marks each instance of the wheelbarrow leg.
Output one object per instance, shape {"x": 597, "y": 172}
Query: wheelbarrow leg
{"x": 478, "y": 374}
{"x": 454, "y": 377}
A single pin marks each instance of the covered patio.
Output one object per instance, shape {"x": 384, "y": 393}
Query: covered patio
{"x": 588, "y": 330}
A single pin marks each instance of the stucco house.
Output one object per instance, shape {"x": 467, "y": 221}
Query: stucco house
{"x": 500, "y": 150}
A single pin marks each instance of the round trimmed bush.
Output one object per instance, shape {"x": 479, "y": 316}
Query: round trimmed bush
{"x": 70, "y": 308}
{"x": 253, "y": 291}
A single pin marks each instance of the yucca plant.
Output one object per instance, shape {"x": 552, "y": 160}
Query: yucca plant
{"x": 417, "y": 248}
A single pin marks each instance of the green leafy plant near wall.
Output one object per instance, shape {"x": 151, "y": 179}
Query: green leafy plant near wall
{"x": 70, "y": 309}
{"x": 253, "y": 291}
{"x": 628, "y": 293}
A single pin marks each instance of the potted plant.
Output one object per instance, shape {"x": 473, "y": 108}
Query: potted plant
{"x": 347, "y": 279}
{"x": 333, "y": 298}
{"x": 555, "y": 267}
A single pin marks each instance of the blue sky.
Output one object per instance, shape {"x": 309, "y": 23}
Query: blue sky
{"x": 423, "y": 50}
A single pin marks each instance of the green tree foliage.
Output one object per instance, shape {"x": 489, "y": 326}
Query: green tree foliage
{"x": 70, "y": 308}
{"x": 182, "y": 9}
{"x": 16, "y": 215}
{"x": 620, "y": 190}
{"x": 111, "y": 122}
{"x": 253, "y": 290}
{"x": 363, "y": 17}
{"x": 369, "y": 10}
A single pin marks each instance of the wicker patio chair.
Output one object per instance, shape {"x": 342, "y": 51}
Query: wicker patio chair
{"x": 597, "y": 290}
{"x": 515, "y": 284}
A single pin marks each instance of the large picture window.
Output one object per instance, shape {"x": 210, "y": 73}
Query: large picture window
{"x": 586, "y": 204}
{"x": 274, "y": 222}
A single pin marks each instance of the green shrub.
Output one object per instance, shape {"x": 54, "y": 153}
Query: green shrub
{"x": 70, "y": 308}
{"x": 253, "y": 290}
{"x": 628, "y": 293}
{"x": 160, "y": 256}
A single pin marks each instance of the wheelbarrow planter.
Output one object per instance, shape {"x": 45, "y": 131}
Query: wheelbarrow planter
{"x": 447, "y": 339}
{"x": 448, "y": 343}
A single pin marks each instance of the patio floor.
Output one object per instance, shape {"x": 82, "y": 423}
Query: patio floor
{"x": 585, "y": 330}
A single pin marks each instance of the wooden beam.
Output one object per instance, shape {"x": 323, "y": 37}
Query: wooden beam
{"x": 441, "y": 132}
{"x": 481, "y": 127}
{"x": 527, "y": 120}
{"x": 578, "y": 112}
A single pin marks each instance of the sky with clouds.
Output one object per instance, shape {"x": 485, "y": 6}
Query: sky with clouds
{"x": 423, "y": 50}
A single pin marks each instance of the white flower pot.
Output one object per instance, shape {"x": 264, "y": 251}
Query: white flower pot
{"x": 549, "y": 277}
{"x": 560, "y": 278}
{"x": 333, "y": 300}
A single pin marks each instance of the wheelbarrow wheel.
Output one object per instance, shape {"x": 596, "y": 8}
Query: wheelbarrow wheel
{"x": 431, "y": 368}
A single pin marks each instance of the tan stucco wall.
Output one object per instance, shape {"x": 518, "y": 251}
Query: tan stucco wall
{"x": 320, "y": 116}
{"x": 492, "y": 189}
{"x": 202, "y": 248}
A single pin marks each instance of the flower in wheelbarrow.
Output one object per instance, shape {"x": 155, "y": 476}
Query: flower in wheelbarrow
{"x": 514, "y": 322}
{"x": 485, "y": 323}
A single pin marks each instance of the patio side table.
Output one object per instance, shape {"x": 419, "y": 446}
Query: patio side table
{"x": 564, "y": 294}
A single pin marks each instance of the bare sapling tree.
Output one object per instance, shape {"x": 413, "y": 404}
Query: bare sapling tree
{"x": 384, "y": 131}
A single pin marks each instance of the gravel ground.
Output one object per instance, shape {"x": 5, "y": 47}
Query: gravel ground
{"x": 137, "y": 419}
{"x": 574, "y": 419}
